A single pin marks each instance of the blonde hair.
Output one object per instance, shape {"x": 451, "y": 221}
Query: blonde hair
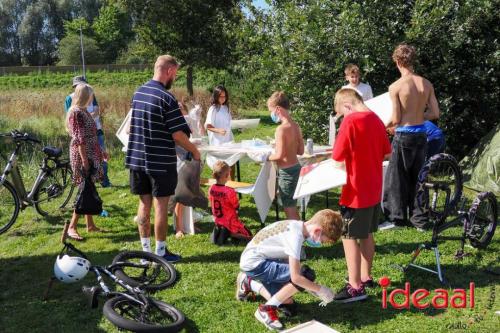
{"x": 330, "y": 222}
{"x": 279, "y": 98}
{"x": 405, "y": 55}
{"x": 220, "y": 169}
{"x": 82, "y": 97}
{"x": 351, "y": 69}
{"x": 165, "y": 61}
{"x": 347, "y": 95}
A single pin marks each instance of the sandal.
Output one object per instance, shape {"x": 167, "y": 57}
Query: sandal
{"x": 74, "y": 236}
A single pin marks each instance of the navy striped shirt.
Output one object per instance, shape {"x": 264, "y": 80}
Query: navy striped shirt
{"x": 155, "y": 116}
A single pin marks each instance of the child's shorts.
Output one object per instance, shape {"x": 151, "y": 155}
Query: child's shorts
{"x": 357, "y": 223}
{"x": 287, "y": 182}
{"x": 273, "y": 274}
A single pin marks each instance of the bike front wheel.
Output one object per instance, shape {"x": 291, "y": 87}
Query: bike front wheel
{"x": 157, "y": 316}
{"x": 9, "y": 206}
{"x": 55, "y": 191}
{"x": 145, "y": 270}
{"x": 483, "y": 216}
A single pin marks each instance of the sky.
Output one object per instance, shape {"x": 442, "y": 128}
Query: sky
{"x": 261, "y": 4}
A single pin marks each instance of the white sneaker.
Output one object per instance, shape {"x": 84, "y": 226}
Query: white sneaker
{"x": 268, "y": 315}
{"x": 386, "y": 225}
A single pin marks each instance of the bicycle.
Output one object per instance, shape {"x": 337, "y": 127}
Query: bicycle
{"x": 51, "y": 191}
{"x": 137, "y": 272}
{"x": 439, "y": 189}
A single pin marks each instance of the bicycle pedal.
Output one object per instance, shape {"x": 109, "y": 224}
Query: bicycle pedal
{"x": 91, "y": 294}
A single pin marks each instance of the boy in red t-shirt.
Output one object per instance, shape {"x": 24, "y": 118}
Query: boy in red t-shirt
{"x": 362, "y": 144}
{"x": 225, "y": 204}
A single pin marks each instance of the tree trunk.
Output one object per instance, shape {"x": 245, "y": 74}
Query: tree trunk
{"x": 189, "y": 80}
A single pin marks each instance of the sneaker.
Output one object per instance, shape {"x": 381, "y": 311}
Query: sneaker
{"x": 367, "y": 284}
{"x": 106, "y": 184}
{"x": 386, "y": 225}
{"x": 171, "y": 257}
{"x": 268, "y": 315}
{"x": 288, "y": 310}
{"x": 349, "y": 294}
{"x": 243, "y": 290}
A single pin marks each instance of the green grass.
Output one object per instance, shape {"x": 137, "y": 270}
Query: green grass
{"x": 205, "y": 289}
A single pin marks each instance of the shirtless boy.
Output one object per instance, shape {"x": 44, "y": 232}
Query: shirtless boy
{"x": 289, "y": 144}
{"x": 411, "y": 96}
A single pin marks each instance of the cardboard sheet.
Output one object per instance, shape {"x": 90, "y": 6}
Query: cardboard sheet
{"x": 382, "y": 106}
{"x": 319, "y": 177}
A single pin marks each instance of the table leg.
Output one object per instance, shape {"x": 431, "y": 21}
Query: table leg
{"x": 326, "y": 198}
{"x": 238, "y": 175}
{"x": 303, "y": 209}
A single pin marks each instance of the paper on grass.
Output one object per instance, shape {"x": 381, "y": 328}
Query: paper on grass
{"x": 312, "y": 326}
{"x": 382, "y": 106}
{"x": 123, "y": 131}
{"x": 319, "y": 177}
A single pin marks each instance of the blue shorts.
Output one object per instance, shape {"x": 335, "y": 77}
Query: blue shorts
{"x": 273, "y": 274}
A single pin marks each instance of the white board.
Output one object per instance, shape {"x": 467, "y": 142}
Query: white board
{"x": 312, "y": 326}
{"x": 382, "y": 106}
{"x": 319, "y": 177}
{"x": 123, "y": 131}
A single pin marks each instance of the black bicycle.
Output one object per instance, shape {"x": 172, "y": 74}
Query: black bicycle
{"x": 439, "y": 189}
{"x": 51, "y": 191}
{"x": 137, "y": 272}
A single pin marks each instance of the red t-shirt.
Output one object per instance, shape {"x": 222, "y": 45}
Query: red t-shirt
{"x": 224, "y": 202}
{"x": 362, "y": 143}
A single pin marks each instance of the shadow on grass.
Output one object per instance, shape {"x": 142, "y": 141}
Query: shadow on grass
{"x": 23, "y": 283}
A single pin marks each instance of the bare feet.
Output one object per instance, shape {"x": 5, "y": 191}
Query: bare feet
{"x": 179, "y": 234}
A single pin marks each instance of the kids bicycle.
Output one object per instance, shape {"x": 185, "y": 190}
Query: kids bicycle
{"x": 51, "y": 190}
{"x": 137, "y": 272}
{"x": 439, "y": 189}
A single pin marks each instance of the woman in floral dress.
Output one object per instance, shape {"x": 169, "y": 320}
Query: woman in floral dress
{"x": 85, "y": 152}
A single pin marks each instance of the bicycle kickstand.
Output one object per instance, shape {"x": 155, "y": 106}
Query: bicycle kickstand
{"x": 49, "y": 286}
{"x": 417, "y": 252}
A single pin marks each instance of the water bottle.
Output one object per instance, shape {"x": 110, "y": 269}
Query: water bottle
{"x": 309, "y": 146}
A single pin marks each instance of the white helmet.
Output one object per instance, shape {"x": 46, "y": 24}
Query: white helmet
{"x": 70, "y": 269}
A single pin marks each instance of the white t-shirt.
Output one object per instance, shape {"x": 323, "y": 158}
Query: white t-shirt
{"x": 279, "y": 240}
{"x": 363, "y": 89}
{"x": 219, "y": 117}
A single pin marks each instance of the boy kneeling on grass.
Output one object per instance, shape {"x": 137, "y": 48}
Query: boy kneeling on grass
{"x": 225, "y": 205}
{"x": 270, "y": 264}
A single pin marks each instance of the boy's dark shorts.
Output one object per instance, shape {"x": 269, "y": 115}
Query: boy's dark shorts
{"x": 357, "y": 223}
{"x": 142, "y": 183}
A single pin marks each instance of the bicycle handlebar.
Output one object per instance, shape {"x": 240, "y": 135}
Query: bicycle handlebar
{"x": 18, "y": 136}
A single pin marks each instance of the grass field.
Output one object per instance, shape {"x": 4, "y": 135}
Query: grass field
{"x": 205, "y": 289}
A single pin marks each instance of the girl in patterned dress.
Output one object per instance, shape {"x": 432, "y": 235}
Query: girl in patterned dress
{"x": 85, "y": 152}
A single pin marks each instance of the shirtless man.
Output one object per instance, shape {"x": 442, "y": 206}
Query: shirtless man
{"x": 411, "y": 96}
{"x": 289, "y": 144}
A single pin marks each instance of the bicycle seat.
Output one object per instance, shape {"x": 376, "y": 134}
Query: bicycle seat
{"x": 52, "y": 151}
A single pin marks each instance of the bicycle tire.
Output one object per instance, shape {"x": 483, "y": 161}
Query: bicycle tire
{"x": 440, "y": 170}
{"x": 8, "y": 201}
{"x": 127, "y": 314}
{"x": 157, "y": 275}
{"x": 55, "y": 191}
{"x": 483, "y": 218}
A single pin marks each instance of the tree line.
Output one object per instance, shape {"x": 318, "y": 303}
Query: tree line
{"x": 299, "y": 46}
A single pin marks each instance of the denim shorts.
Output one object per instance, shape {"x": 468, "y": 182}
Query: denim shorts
{"x": 273, "y": 274}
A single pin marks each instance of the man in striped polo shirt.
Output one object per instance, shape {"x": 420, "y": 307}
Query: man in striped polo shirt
{"x": 157, "y": 125}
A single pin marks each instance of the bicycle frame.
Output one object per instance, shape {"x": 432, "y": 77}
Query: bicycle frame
{"x": 12, "y": 169}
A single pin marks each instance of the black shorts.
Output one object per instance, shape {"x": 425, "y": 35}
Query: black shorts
{"x": 142, "y": 183}
{"x": 358, "y": 223}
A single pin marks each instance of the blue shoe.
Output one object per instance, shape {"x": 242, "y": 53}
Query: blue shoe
{"x": 106, "y": 184}
{"x": 171, "y": 257}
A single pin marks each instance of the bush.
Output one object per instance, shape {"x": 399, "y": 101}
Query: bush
{"x": 70, "y": 50}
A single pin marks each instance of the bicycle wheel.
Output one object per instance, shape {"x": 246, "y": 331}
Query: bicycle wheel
{"x": 9, "y": 206}
{"x": 482, "y": 220}
{"x": 439, "y": 185}
{"x": 129, "y": 315}
{"x": 138, "y": 268}
{"x": 55, "y": 191}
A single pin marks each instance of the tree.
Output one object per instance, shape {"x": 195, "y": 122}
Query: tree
{"x": 197, "y": 32}
{"x": 113, "y": 30}
{"x": 70, "y": 51}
